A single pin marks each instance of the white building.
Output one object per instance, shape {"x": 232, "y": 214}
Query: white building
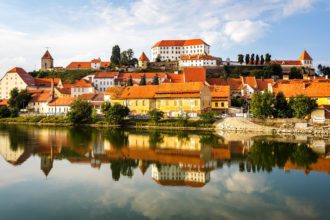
{"x": 103, "y": 80}
{"x": 173, "y": 49}
{"x": 39, "y": 101}
{"x": 15, "y": 78}
{"x": 81, "y": 87}
{"x": 199, "y": 61}
{"x": 60, "y": 106}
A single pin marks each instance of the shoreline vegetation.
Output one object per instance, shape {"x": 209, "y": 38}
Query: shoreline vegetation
{"x": 232, "y": 125}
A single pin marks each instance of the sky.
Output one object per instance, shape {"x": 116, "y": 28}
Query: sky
{"x": 80, "y": 30}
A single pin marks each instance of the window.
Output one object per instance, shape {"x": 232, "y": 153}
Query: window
{"x": 216, "y": 104}
{"x": 222, "y": 104}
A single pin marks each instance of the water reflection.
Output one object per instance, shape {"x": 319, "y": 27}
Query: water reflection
{"x": 173, "y": 158}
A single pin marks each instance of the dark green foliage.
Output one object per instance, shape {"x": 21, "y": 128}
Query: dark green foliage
{"x": 295, "y": 73}
{"x": 155, "y": 115}
{"x": 116, "y": 114}
{"x": 240, "y": 58}
{"x": 282, "y": 108}
{"x": 252, "y": 58}
{"x": 323, "y": 70}
{"x": 143, "y": 81}
{"x": 302, "y": 105}
{"x": 257, "y": 60}
{"x": 155, "y": 80}
{"x": 158, "y": 58}
{"x": 274, "y": 70}
{"x": 4, "y": 112}
{"x": 118, "y": 138}
{"x": 268, "y": 58}
{"x": 123, "y": 167}
{"x": 115, "y": 56}
{"x": 262, "y": 105}
{"x": 247, "y": 59}
{"x": 262, "y": 60}
{"x": 80, "y": 113}
{"x": 19, "y": 99}
{"x": 66, "y": 75}
{"x": 208, "y": 117}
{"x": 239, "y": 102}
{"x": 260, "y": 73}
{"x": 155, "y": 138}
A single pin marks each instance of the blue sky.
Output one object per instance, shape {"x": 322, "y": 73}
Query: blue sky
{"x": 87, "y": 29}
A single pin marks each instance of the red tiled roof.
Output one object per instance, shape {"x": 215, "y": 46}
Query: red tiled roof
{"x": 313, "y": 89}
{"x": 305, "y": 56}
{"x": 179, "y": 183}
{"x": 82, "y": 83}
{"x": 86, "y": 65}
{"x": 106, "y": 74}
{"x": 143, "y": 57}
{"x": 194, "y": 74}
{"x": 4, "y": 102}
{"x": 96, "y": 60}
{"x": 46, "y": 81}
{"x": 173, "y": 43}
{"x": 263, "y": 83}
{"x": 175, "y": 78}
{"x": 40, "y": 96}
{"x": 220, "y": 91}
{"x": 126, "y": 76}
{"x": 64, "y": 101}
{"x": 114, "y": 92}
{"x": 251, "y": 81}
{"x": 26, "y": 77}
{"x": 66, "y": 91}
{"x": 47, "y": 55}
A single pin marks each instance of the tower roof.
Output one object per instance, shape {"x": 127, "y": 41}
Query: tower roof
{"x": 305, "y": 56}
{"x": 143, "y": 57}
{"x": 47, "y": 55}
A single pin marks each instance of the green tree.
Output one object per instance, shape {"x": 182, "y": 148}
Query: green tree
{"x": 323, "y": 70}
{"x": 257, "y": 60}
{"x": 239, "y": 102}
{"x": 240, "y": 58}
{"x": 208, "y": 117}
{"x": 115, "y": 56}
{"x": 274, "y": 69}
{"x": 247, "y": 59}
{"x": 282, "y": 107}
{"x": 260, "y": 73}
{"x": 252, "y": 58}
{"x": 19, "y": 99}
{"x": 116, "y": 114}
{"x": 262, "y": 60}
{"x": 143, "y": 80}
{"x": 158, "y": 58}
{"x": 80, "y": 112}
{"x": 302, "y": 105}
{"x": 4, "y": 112}
{"x": 155, "y": 115}
{"x": 124, "y": 60}
{"x": 295, "y": 73}
{"x": 155, "y": 80}
{"x": 268, "y": 58}
{"x": 130, "y": 81}
{"x": 262, "y": 104}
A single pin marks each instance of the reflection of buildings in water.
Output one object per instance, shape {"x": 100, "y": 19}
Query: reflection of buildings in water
{"x": 175, "y": 175}
{"x": 14, "y": 155}
{"x": 46, "y": 162}
{"x": 322, "y": 165}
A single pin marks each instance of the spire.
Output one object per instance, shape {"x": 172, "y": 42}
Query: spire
{"x": 47, "y": 55}
{"x": 305, "y": 56}
{"x": 143, "y": 57}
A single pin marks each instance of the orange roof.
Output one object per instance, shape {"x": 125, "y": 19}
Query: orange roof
{"x": 175, "y": 78}
{"x": 40, "y": 95}
{"x": 114, "y": 92}
{"x": 287, "y": 62}
{"x": 251, "y": 81}
{"x": 143, "y": 57}
{"x": 68, "y": 85}
{"x": 106, "y": 74}
{"x": 64, "y": 90}
{"x": 46, "y": 81}
{"x": 79, "y": 65}
{"x": 125, "y": 76}
{"x": 26, "y": 77}
{"x": 47, "y": 55}
{"x": 220, "y": 91}
{"x": 4, "y": 102}
{"x": 96, "y": 60}
{"x": 263, "y": 83}
{"x": 82, "y": 83}
{"x": 197, "y": 57}
{"x": 195, "y": 74}
{"x": 313, "y": 89}
{"x": 64, "y": 101}
{"x": 322, "y": 165}
{"x": 165, "y": 90}
{"x": 173, "y": 43}
{"x": 305, "y": 56}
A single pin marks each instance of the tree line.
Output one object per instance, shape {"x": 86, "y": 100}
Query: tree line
{"x": 254, "y": 59}
{"x": 124, "y": 58}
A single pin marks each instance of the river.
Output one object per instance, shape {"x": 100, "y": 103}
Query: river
{"x": 89, "y": 173}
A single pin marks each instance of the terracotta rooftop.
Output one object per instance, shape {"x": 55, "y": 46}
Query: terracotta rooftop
{"x": 47, "y": 55}
{"x": 220, "y": 91}
{"x": 86, "y": 65}
{"x": 26, "y": 77}
{"x": 106, "y": 74}
{"x": 143, "y": 57}
{"x": 305, "y": 56}
{"x": 64, "y": 101}
{"x": 46, "y": 81}
{"x": 179, "y": 183}
{"x": 313, "y": 89}
{"x": 173, "y": 43}
{"x": 194, "y": 74}
{"x": 82, "y": 83}
{"x": 287, "y": 62}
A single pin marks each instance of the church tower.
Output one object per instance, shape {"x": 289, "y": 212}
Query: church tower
{"x": 47, "y": 61}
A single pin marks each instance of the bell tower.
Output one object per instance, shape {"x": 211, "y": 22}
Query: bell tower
{"x": 47, "y": 61}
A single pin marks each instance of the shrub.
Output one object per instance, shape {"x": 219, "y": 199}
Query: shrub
{"x": 208, "y": 117}
{"x": 80, "y": 113}
{"x": 155, "y": 115}
{"x": 115, "y": 114}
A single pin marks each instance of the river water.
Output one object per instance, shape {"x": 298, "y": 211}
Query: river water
{"x": 84, "y": 173}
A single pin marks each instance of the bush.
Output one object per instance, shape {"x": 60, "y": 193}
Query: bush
{"x": 302, "y": 106}
{"x": 115, "y": 114}
{"x": 4, "y": 112}
{"x": 80, "y": 113}
{"x": 208, "y": 117}
{"x": 262, "y": 105}
{"x": 155, "y": 115}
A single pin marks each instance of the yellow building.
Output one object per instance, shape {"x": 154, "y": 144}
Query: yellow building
{"x": 220, "y": 98}
{"x": 143, "y": 61}
{"x": 173, "y": 99}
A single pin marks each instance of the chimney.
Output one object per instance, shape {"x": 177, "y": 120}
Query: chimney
{"x": 52, "y": 88}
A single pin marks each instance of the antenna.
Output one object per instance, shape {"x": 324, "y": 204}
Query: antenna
{"x": 47, "y": 48}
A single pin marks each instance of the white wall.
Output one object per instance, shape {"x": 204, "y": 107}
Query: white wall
{"x": 9, "y": 82}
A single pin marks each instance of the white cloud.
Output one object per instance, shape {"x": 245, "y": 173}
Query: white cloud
{"x": 294, "y": 6}
{"x": 244, "y": 31}
{"x": 246, "y": 183}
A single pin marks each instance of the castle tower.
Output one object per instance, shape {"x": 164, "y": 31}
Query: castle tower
{"x": 47, "y": 61}
{"x": 306, "y": 59}
{"x": 143, "y": 61}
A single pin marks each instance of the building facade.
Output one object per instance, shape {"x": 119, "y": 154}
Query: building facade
{"x": 172, "y": 50}
{"x": 198, "y": 61}
{"x": 47, "y": 61}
